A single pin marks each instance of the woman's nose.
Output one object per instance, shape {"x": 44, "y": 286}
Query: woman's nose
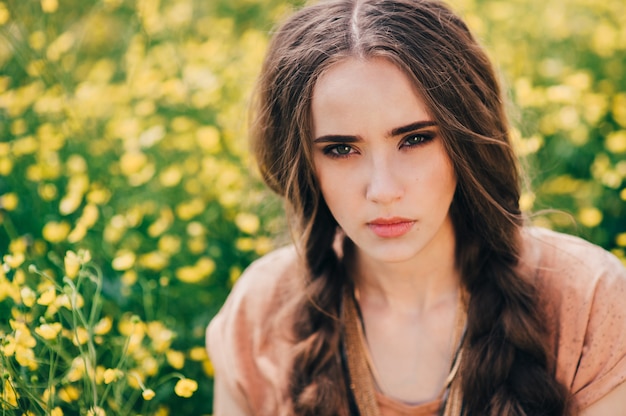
{"x": 384, "y": 185}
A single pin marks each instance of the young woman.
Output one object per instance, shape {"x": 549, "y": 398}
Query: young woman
{"x": 414, "y": 287}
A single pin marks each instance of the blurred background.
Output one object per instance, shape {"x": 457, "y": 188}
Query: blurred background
{"x": 129, "y": 204}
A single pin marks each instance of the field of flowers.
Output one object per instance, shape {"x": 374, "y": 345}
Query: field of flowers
{"x": 128, "y": 204}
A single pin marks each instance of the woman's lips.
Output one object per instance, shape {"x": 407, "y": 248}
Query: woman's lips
{"x": 390, "y": 227}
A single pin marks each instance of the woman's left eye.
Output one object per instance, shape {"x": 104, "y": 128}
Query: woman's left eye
{"x": 416, "y": 139}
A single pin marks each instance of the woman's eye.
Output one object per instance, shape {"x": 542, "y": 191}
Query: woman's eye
{"x": 339, "y": 150}
{"x": 416, "y": 139}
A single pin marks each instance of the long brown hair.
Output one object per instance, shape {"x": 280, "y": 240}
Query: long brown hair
{"x": 507, "y": 368}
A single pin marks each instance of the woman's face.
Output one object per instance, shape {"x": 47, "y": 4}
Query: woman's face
{"x": 380, "y": 161}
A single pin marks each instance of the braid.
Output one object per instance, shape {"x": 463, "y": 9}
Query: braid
{"x": 315, "y": 387}
{"x": 506, "y": 366}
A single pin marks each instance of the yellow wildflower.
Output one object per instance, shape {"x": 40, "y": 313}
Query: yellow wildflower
{"x": 171, "y": 176}
{"x": 175, "y": 358}
{"x": 189, "y": 209}
{"x": 19, "y": 278}
{"x": 198, "y": 354}
{"x": 57, "y": 411}
{"x": 136, "y": 380}
{"x": 78, "y": 233}
{"x": 96, "y": 411}
{"x": 185, "y": 387}
{"x": 49, "y": 331}
{"x": 103, "y": 326}
{"x": 6, "y": 165}
{"x": 9, "y": 201}
{"x": 165, "y": 220}
{"x": 49, "y": 6}
{"x": 81, "y": 336}
{"x": 135, "y": 333}
{"x": 69, "y": 394}
{"x": 14, "y": 260}
{"x": 208, "y": 138}
{"x": 150, "y": 366}
{"x": 263, "y": 245}
{"x": 70, "y": 202}
{"x": 48, "y": 393}
{"x": 9, "y": 395}
{"x": 26, "y": 357}
{"x": 208, "y": 368}
{"x": 188, "y": 274}
{"x": 234, "y": 274}
{"x": 28, "y": 296}
{"x": 90, "y": 215}
{"x": 100, "y": 373}
{"x": 76, "y": 164}
{"x": 590, "y": 216}
{"x": 4, "y": 14}
{"x": 196, "y": 245}
{"x": 148, "y": 394}
{"x": 72, "y": 264}
{"x": 129, "y": 278}
{"x": 132, "y": 162}
{"x": 55, "y": 232}
{"x": 161, "y": 336}
{"x": 77, "y": 369}
{"x": 21, "y": 337}
{"x": 112, "y": 374}
{"x": 162, "y": 411}
{"x": 154, "y": 260}
{"x": 98, "y": 195}
{"x": 244, "y": 244}
{"x": 616, "y": 141}
{"x": 169, "y": 244}
{"x": 195, "y": 229}
{"x": 18, "y": 245}
{"x": 247, "y": 223}
{"x": 124, "y": 260}
{"x": 47, "y": 297}
{"x": 205, "y": 266}
{"x": 68, "y": 302}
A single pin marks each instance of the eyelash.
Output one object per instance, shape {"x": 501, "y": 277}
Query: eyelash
{"x": 331, "y": 150}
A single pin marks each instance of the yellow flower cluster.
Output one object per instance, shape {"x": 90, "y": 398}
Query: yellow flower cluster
{"x": 127, "y": 209}
{"x": 125, "y": 201}
{"x": 62, "y": 323}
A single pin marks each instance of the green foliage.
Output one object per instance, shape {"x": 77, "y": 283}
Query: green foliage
{"x": 123, "y": 135}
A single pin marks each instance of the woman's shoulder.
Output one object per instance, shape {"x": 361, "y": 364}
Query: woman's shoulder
{"x": 572, "y": 276}
{"x": 551, "y": 254}
{"x": 266, "y": 285}
{"x": 249, "y": 341}
{"x": 581, "y": 287}
{"x": 271, "y": 272}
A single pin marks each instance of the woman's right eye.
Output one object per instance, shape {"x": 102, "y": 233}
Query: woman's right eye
{"x": 339, "y": 150}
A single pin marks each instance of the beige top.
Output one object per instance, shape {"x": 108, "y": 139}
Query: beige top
{"x": 582, "y": 287}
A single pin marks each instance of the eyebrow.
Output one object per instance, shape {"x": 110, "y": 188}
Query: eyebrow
{"x": 338, "y": 138}
{"x": 411, "y": 127}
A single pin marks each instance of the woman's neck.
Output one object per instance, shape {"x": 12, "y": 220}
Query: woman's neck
{"x": 415, "y": 287}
